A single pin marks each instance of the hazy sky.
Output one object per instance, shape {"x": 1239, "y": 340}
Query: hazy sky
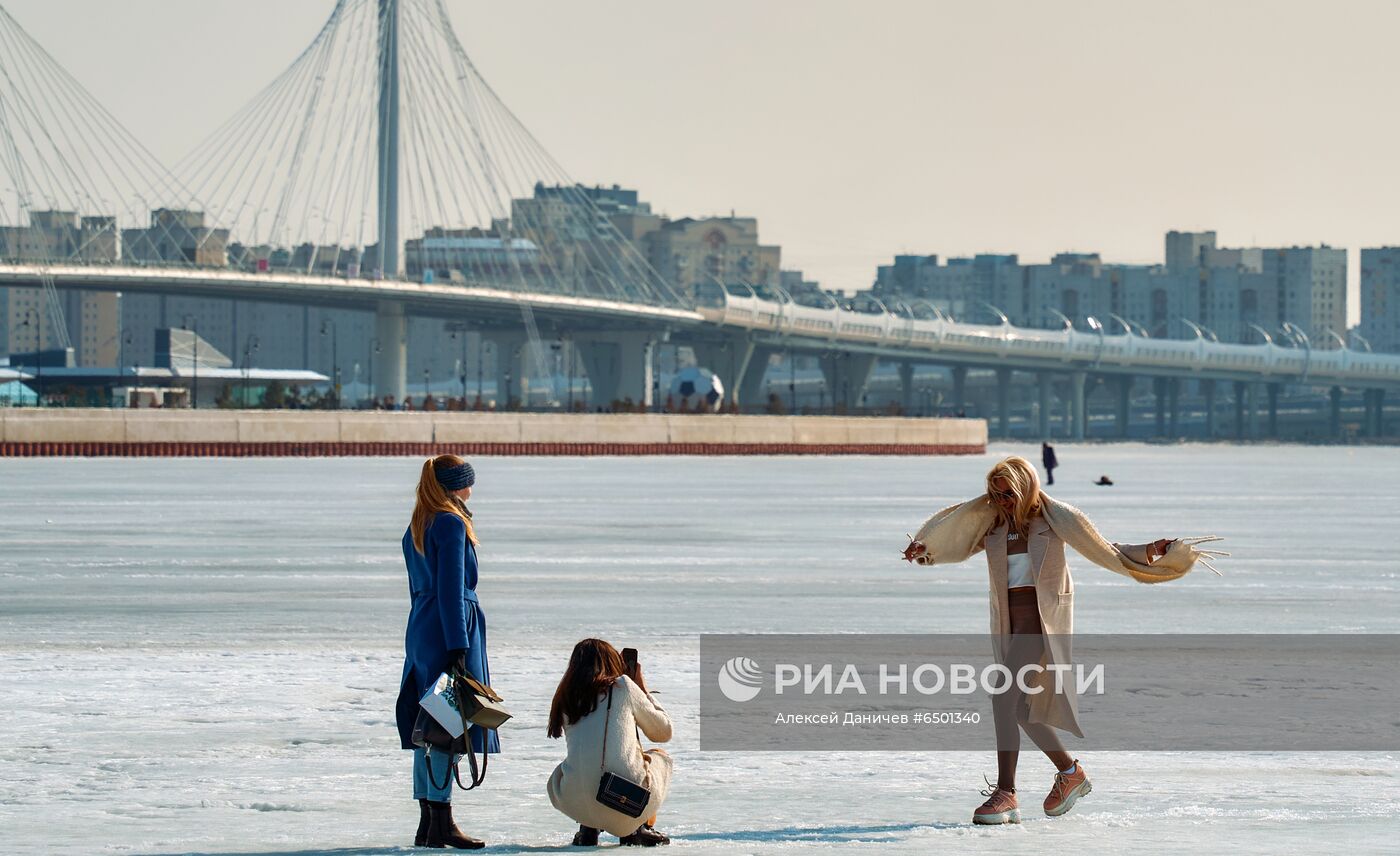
{"x": 857, "y": 130}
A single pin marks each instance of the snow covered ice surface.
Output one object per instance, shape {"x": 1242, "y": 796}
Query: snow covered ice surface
{"x": 202, "y": 655}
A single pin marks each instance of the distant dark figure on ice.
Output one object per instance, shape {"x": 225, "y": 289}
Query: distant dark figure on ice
{"x": 446, "y": 628}
{"x": 1047, "y": 458}
{"x": 1104, "y": 481}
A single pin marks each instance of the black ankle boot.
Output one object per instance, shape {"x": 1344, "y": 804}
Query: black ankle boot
{"x": 586, "y": 836}
{"x": 645, "y": 836}
{"x": 420, "y": 838}
{"x": 442, "y": 832}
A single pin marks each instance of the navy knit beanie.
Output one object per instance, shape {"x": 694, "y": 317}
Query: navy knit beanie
{"x": 455, "y": 478}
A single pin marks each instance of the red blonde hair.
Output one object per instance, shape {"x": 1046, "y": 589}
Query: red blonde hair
{"x": 434, "y": 499}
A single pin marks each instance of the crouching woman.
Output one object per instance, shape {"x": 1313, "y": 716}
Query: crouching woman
{"x": 600, "y": 707}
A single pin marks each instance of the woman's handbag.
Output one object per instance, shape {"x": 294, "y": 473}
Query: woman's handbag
{"x": 455, "y": 702}
{"x": 617, "y": 792}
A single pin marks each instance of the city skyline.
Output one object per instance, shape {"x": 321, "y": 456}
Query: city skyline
{"x": 1183, "y": 121}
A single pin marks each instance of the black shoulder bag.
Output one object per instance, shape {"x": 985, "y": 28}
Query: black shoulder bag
{"x": 614, "y": 791}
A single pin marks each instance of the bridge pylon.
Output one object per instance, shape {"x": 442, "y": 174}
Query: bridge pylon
{"x": 619, "y": 366}
{"x": 391, "y": 362}
{"x": 388, "y": 140}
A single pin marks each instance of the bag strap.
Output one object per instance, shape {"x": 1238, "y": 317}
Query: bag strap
{"x": 477, "y": 777}
{"x": 454, "y": 771}
{"x": 607, "y": 721}
{"x": 479, "y": 688}
{"x": 446, "y": 779}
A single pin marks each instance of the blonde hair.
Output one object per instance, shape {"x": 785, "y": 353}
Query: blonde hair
{"x": 1022, "y": 482}
{"x": 434, "y": 499}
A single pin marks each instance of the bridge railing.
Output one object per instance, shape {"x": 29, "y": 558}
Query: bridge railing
{"x": 745, "y": 308}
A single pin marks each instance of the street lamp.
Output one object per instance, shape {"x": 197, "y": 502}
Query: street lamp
{"x": 570, "y": 360}
{"x": 335, "y": 356}
{"x": 1298, "y": 336}
{"x": 460, "y": 331}
{"x": 250, "y": 347}
{"x": 1097, "y": 326}
{"x": 480, "y": 364}
{"x": 190, "y": 322}
{"x": 38, "y": 353}
{"x": 374, "y": 348}
{"x": 558, "y": 368}
{"x": 121, "y": 358}
{"x": 792, "y": 380}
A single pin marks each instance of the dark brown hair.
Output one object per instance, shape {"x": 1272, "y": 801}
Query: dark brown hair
{"x": 593, "y": 667}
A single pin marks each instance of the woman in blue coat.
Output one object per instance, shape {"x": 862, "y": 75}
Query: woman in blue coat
{"x": 445, "y": 627}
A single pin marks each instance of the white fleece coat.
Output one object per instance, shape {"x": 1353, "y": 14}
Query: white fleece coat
{"x": 573, "y": 788}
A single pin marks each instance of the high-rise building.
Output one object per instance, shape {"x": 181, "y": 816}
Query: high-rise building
{"x": 1311, "y": 290}
{"x": 176, "y": 236}
{"x": 968, "y": 288}
{"x": 1159, "y": 301}
{"x": 1185, "y": 251}
{"x": 91, "y": 318}
{"x": 1072, "y": 285}
{"x": 1237, "y": 299}
{"x": 1249, "y": 259}
{"x": 1264, "y": 286}
{"x": 912, "y": 277}
{"x": 695, "y": 254}
{"x": 94, "y": 325}
{"x": 472, "y": 255}
{"x": 1380, "y": 298}
{"x": 579, "y": 249}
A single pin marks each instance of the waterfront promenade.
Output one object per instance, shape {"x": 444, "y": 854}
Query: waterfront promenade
{"x": 242, "y": 433}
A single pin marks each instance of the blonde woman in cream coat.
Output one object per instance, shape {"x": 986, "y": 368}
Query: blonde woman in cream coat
{"x": 1023, "y": 533}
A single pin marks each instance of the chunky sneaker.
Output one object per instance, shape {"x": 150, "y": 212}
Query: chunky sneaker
{"x": 1000, "y": 807}
{"x": 645, "y": 836}
{"x": 1067, "y": 790}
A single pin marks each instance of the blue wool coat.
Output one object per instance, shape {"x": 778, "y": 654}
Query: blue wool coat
{"x": 444, "y": 615}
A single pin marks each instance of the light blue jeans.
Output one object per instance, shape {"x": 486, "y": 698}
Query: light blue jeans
{"x": 425, "y": 785}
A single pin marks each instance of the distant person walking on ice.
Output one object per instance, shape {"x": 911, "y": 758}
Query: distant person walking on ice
{"x": 445, "y": 627}
{"x": 1024, "y": 533}
{"x": 1047, "y": 458}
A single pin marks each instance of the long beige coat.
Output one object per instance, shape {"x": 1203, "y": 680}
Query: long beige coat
{"x": 961, "y": 531}
{"x": 573, "y": 788}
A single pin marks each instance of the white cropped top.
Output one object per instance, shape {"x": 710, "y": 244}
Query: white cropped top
{"x": 1018, "y": 568}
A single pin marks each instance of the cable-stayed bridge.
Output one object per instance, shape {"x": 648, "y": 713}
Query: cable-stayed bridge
{"x": 380, "y": 171}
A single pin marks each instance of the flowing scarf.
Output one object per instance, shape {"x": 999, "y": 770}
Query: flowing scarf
{"x": 955, "y": 533}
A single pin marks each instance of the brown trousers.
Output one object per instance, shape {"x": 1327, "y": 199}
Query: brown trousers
{"x": 1011, "y": 709}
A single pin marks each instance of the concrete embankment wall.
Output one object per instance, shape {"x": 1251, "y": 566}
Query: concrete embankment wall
{"x": 83, "y": 432}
